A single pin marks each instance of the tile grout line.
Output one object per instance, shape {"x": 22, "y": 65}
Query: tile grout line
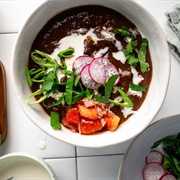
{"x": 121, "y": 154}
{"x": 76, "y": 163}
{"x": 85, "y": 156}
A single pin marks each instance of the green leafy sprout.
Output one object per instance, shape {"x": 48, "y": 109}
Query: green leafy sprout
{"x": 171, "y": 157}
{"x": 134, "y": 55}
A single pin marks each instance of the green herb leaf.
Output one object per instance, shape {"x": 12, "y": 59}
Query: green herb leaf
{"x": 69, "y": 90}
{"x": 135, "y": 87}
{"x": 144, "y": 66}
{"x": 76, "y": 81}
{"x": 108, "y": 86}
{"x": 127, "y": 102}
{"x": 129, "y": 53}
{"x": 123, "y": 32}
{"x": 48, "y": 82}
{"x": 78, "y": 97}
{"x": 54, "y": 121}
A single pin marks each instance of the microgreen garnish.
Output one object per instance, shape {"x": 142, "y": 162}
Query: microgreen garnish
{"x": 54, "y": 121}
{"x": 74, "y": 91}
{"x": 136, "y": 87}
{"x": 144, "y": 66}
{"x": 69, "y": 90}
{"x": 108, "y": 86}
{"x": 127, "y": 102}
{"x": 131, "y": 52}
{"x": 172, "y": 153}
{"x": 123, "y": 32}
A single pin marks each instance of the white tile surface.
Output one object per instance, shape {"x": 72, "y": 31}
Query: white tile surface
{"x": 99, "y": 167}
{"x": 13, "y": 13}
{"x": 69, "y": 162}
{"x": 115, "y": 149}
{"x": 65, "y": 169}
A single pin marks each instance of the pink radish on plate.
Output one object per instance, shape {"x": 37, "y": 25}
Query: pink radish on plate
{"x": 153, "y": 171}
{"x": 154, "y": 156}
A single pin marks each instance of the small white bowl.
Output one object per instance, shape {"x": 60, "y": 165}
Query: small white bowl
{"x": 159, "y": 50}
{"x": 24, "y": 166}
{"x": 134, "y": 159}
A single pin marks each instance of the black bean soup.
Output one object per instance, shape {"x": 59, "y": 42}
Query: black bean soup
{"x": 90, "y": 31}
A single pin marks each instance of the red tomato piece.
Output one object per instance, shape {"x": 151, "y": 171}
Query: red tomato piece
{"x": 72, "y": 119}
{"x": 88, "y": 126}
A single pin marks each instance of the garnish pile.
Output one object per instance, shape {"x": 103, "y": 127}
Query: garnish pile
{"x": 163, "y": 161}
{"x": 87, "y": 92}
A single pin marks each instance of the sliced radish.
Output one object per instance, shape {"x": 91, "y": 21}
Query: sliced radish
{"x": 111, "y": 70}
{"x": 153, "y": 171}
{"x": 97, "y": 70}
{"x": 154, "y": 156}
{"x": 80, "y": 62}
{"x": 167, "y": 177}
{"x": 86, "y": 78}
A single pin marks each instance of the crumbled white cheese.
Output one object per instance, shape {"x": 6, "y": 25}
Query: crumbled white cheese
{"x": 137, "y": 78}
{"x": 127, "y": 111}
{"x": 119, "y": 56}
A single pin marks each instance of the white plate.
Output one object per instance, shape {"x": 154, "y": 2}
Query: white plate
{"x": 134, "y": 159}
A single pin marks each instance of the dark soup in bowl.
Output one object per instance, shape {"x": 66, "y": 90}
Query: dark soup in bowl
{"x": 89, "y": 68}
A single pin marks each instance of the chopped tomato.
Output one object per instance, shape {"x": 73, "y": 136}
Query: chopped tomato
{"x": 88, "y": 126}
{"x": 90, "y": 113}
{"x": 72, "y": 119}
{"x": 112, "y": 121}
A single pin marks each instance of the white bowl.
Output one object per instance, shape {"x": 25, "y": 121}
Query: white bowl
{"x": 134, "y": 159}
{"x": 147, "y": 25}
{"x": 24, "y": 166}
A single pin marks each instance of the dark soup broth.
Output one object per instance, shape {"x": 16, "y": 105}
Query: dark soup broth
{"x": 90, "y": 69}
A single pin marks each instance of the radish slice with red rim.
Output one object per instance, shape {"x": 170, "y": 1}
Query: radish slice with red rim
{"x": 168, "y": 177}
{"x": 86, "y": 78}
{"x": 154, "y": 156}
{"x": 153, "y": 171}
{"x": 97, "y": 70}
{"x": 110, "y": 71}
{"x": 80, "y": 62}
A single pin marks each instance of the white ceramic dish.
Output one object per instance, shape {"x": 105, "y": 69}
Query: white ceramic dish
{"x": 24, "y": 166}
{"x": 134, "y": 159}
{"x": 147, "y": 25}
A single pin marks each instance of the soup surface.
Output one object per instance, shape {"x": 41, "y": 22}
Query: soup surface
{"x": 101, "y": 65}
